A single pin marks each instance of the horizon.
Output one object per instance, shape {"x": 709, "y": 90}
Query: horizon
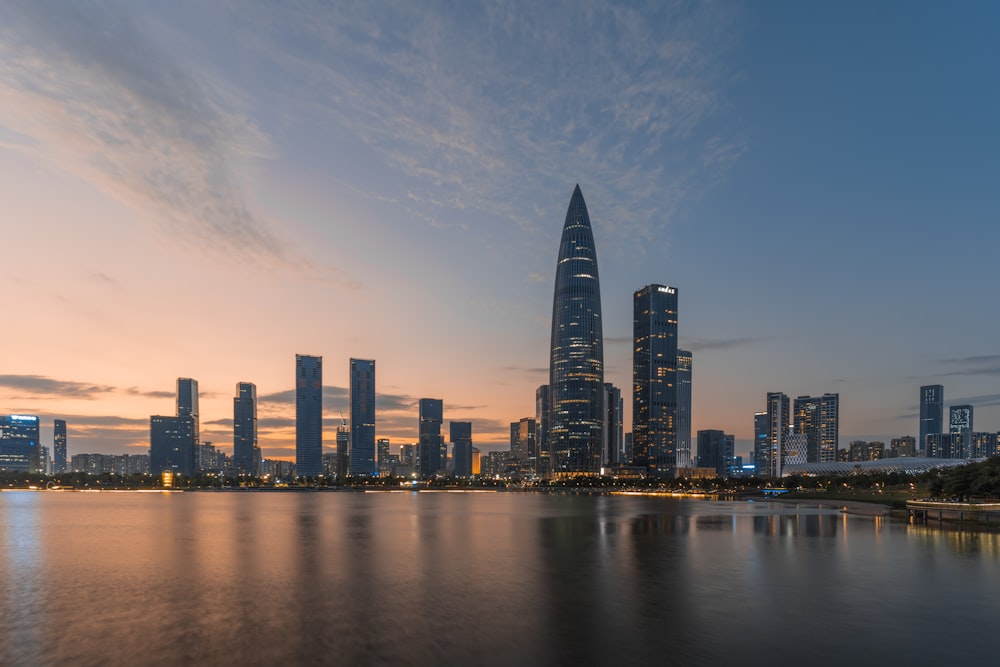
{"x": 194, "y": 192}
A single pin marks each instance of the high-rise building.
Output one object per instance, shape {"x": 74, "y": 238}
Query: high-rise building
{"x": 931, "y": 413}
{"x": 576, "y": 363}
{"x": 173, "y": 440}
{"x": 654, "y": 378}
{"x": 777, "y": 420}
{"x": 461, "y": 440}
{"x": 382, "y": 447}
{"x": 187, "y": 403}
{"x": 818, "y": 418}
{"x": 363, "y": 418}
{"x": 527, "y": 436}
{"x": 717, "y": 450}
{"x": 246, "y": 452}
{"x": 761, "y": 448}
{"x": 429, "y": 446}
{"x": 308, "y": 416}
{"x": 685, "y": 365}
{"x": 343, "y": 465}
{"x": 171, "y": 444}
{"x": 960, "y": 428}
{"x": 543, "y": 415}
{"x": 20, "y": 448}
{"x": 59, "y": 445}
{"x": 614, "y": 429}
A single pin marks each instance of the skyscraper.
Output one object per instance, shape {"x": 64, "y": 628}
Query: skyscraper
{"x": 173, "y": 440}
{"x": 543, "y": 415}
{"x": 960, "y": 427}
{"x": 382, "y": 449}
{"x": 931, "y": 413}
{"x": 614, "y": 426}
{"x": 654, "y": 378}
{"x": 818, "y": 418}
{"x": 716, "y": 450}
{"x": 685, "y": 365}
{"x": 308, "y": 416}
{"x": 429, "y": 446}
{"x": 776, "y": 421}
{"x": 20, "y": 448}
{"x": 59, "y": 445}
{"x": 761, "y": 449}
{"x": 461, "y": 440}
{"x": 362, "y": 461}
{"x": 246, "y": 453}
{"x": 187, "y": 403}
{"x": 576, "y": 363}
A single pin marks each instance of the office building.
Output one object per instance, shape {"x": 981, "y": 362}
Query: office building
{"x": 984, "y": 445}
{"x": 818, "y": 418}
{"x": 761, "y": 450}
{"x": 382, "y": 448}
{"x": 429, "y": 461}
{"x": 362, "y": 462}
{"x": 462, "y": 449}
{"x": 931, "y": 413}
{"x": 308, "y": 416}
{"x": 246, "y": 451}
{"x": 716, "y": 450}
{"x": 187, "y": 403}
{"x": 960, "y": 428}
{"x": 685, "y": 366}
{"x": 576, "y": 362}
{"x": 59, "y": 446}
{"x": 614, "y": 427}
{"x": 543, "y": 413}
{"x": 172, "y": 446}
{"x": 343, "y": 461}
{"x": 654, "y": 378}
{"x": 20, "y": 448}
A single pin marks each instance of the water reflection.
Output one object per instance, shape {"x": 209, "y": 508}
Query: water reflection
{"x": 498, "y": 579}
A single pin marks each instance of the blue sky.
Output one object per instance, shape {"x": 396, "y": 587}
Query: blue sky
{"x": 206, "y": 189}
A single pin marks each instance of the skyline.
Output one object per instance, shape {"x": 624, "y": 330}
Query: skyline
{"x": 182, "y": 183}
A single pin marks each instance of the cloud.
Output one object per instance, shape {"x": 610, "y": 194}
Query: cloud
{"x": 135, "y": 391}
{"x": 457, "y": 102}
{"x": 101, "y": 96}
{"x": 41, "y": 386}
{"x": 701, "y": 344}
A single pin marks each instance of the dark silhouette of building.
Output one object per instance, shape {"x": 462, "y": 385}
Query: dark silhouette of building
{"x": 308, "y": 416}
{"x": 716, "y": 450}
{"x": 654, "y": 378}
{"x": 246, "y": 452}
{"x": 461, "y": 440}
{"x": 173, "y": 440}
{"x": 59, "y": 446}
{"x": 576, "y": 368}
{"x": 429, "y": 461}
{"x": 362, "y": 462}
{"x": 614, "y": 426}
{"x": 543, "y": 415}
{"x": 187, "y": 403}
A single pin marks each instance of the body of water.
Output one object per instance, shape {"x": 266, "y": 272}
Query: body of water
{"x": 482, "y": 579}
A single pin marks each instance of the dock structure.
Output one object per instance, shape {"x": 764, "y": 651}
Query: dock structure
{"x": 926, "y": 511}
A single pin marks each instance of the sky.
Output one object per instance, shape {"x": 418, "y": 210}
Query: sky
{"x": 205, "y": 190}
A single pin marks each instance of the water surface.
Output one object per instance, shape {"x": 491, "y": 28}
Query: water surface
{"x": 481, "y": 578}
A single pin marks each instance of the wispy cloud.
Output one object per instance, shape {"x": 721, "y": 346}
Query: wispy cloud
{"x": 987, "y": 364}
{"x": 702, "y": 344}
{"x": 100, "y": 96}
{"x": 458, "y": 102}
{"x": 41, "y": 386}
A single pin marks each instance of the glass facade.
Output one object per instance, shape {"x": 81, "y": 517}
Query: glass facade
{"x": 931, "y": 413}
{"x": 576, "y": 365}
{"x": 187, "y": 403}
{"x": 59, "y": 446}
{"x": 654, "y": 378}
{"x": 362, "y": 457}
{"x": 308, "y": 416}
{"x": 818, "y": 418}
{"x": 461, "y": 440}
{"x": 685, "y": 366}
{"x": 246, "y": 453}
{"x": 429, "y": 460}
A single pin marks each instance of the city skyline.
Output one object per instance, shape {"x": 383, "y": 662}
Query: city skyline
{"x": 171, "y": 194}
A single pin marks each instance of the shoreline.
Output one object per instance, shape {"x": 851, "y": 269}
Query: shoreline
{"x": 857, "y": 507}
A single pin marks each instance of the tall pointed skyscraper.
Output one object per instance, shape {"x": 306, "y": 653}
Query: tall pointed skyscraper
{"x": 576, "y": 368}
